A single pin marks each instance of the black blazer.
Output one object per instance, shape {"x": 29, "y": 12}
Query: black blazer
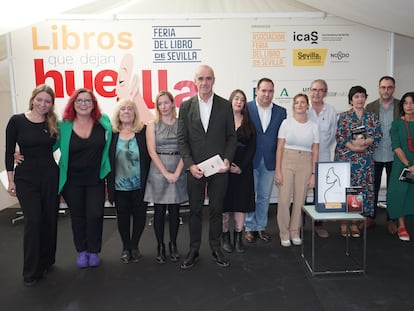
{"x": 195, "y": 144}
{"x": 144, "y": 162}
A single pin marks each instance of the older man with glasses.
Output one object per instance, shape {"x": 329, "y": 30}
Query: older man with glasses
{"x": 325, "y": 116}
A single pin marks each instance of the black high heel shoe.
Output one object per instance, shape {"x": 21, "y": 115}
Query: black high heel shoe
{"x": 160, "y": 253}
{"x": 174, "y": 256}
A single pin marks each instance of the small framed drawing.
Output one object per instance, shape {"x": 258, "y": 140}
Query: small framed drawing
{"x": 332, "y": 179}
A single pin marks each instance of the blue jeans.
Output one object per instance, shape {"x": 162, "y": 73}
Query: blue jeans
{"x": 263, "y": 185}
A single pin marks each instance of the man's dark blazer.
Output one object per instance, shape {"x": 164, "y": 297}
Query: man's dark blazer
{"x": 195, "y": 144}
{"x": 266, "y": 141}
{"x": 375, "y": 108}
{"x": 144, "y": 162}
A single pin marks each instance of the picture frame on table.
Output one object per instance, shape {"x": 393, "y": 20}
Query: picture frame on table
{"x": 332, "y": 179}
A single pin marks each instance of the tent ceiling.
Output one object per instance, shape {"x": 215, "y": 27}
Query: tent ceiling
{"x": 394, "y": 16}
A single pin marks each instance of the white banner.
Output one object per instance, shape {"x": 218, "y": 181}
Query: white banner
{"x": 125, "y": 57}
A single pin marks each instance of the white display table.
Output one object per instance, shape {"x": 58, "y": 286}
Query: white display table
{"x": 356, "y": 266}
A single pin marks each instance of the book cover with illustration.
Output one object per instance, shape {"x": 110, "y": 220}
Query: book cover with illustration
{"x": 406, "y": 176}
{"x": 359, "y": 132}
{"x": 354, "y": 200}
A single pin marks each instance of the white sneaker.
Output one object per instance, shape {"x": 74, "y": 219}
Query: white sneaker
{"x": 285, "y": 243}
{"x": 297, "y": 241}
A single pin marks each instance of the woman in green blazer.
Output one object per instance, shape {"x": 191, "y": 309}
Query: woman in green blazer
{"x": 85, "y": 136}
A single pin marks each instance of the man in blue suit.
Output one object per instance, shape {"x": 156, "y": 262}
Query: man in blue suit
{"x": 267, "y": 117}
{"x": 206, "y": 128}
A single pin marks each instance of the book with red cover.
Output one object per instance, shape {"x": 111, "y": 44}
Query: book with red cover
{"x": 354, "y": 200}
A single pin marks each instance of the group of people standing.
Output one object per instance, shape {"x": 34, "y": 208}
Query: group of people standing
{"x": 158, "y": 163}
{"x": 94, "y": 154}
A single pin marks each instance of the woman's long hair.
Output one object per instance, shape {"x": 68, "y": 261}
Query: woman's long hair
{"x": 51, "y": 117}
{"x": 401, "y": 104}
{"x": 247, "y": 125}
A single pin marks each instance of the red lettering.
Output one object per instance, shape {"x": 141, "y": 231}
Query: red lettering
{"x": 41, "y": 76}
{"x": 162, "y": 80}
{"x": 192, "y": 91}
{"x": 104, "y": 82}
{"x": 147, "y": 88}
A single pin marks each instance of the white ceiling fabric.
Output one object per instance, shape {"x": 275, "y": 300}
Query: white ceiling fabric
{"x": 17, "y": 14}
{"x": 394, "y": 16}
{"x": 389, "y": 15}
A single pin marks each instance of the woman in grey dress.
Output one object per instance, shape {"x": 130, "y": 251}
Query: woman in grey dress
{"x": 166, "y": 184}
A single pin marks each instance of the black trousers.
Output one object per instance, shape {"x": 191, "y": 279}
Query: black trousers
{"x": 86, "y": 205}
{"x": 129, "y": 204}
{"x": 173, "y": 221}
{"x": 378, "y": 168}
{"x": 216, "y": 190}
{"x": 36, "y": 189}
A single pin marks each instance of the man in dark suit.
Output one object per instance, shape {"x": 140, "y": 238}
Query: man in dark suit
{"x": 267, "y": 118}
{"x": 206, "y": 128}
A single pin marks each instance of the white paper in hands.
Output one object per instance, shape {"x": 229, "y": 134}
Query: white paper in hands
{"x": 212, "y": 165}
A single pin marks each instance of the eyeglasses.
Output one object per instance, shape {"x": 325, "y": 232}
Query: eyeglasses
{"x": 318, "y": 90}
{"x": 388, "y": 88}
{"x": 80, "y": 101}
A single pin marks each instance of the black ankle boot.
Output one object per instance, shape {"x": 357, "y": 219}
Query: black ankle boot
{"x": 160, "y": 253}
{"x": 238, "y": 242}
{"x": 227, "y": 247}
{"x": 174, "y": 256}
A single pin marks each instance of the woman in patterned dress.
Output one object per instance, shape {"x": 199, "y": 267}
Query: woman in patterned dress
{"x": 166, "y": 185}
{"x": 358, "y": 150}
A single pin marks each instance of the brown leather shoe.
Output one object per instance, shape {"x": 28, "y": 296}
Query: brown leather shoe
{"x": 250, "y": 236}
{"x": 262, "y": 235}
{"x": 391, "y": 227}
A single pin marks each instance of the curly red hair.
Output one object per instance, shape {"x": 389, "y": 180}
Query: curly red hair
{"x": 69, "y": 112}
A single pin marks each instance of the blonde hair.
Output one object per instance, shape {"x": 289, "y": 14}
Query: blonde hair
{"x": 51, "y": 117}
{"x": 157, "y": 109}
{"x": 137, "y": 125}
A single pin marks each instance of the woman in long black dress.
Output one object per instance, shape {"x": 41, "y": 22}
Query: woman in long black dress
{"x": 35, "y": 180}
{"x": 240, "y": 197}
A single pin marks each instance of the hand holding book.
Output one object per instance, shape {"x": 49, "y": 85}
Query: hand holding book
{"x": 406, "y": 176}
{"x": 212, "y": 165}
{"x": 360, "y": 140}
{"x": 359, "y": 133}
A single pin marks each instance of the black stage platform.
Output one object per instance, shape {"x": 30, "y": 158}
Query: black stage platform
{"x": 266, "y": 277}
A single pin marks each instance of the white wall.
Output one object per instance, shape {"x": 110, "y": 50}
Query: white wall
{"x": 404, "y": 65}
{"x": 6, "y": 111}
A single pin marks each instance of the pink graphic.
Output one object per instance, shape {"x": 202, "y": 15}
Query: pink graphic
{"x": 128, "y": 87}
